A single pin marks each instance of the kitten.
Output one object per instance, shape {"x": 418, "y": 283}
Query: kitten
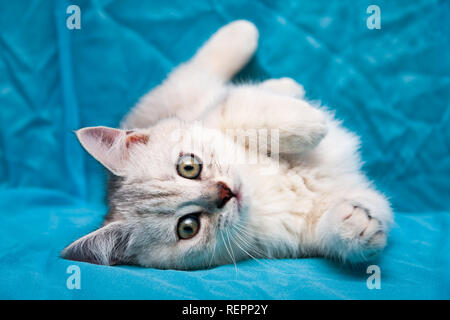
{"x": 190, "y": 205}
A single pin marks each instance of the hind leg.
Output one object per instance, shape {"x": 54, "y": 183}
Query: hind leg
{"x": 190, "y": 88}
{"x": 228, "y": 50}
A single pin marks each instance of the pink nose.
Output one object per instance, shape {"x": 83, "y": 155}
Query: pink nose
{"x": 225, "y": 194}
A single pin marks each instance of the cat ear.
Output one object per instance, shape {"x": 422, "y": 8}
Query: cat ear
{"x": 110, "y": 146}
{"x": 107, "y": 245}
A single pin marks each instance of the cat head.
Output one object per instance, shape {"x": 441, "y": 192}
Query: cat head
{"x": 172, "y": 203}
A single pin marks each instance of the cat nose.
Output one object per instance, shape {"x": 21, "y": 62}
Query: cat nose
{"x": 225, "y": 194}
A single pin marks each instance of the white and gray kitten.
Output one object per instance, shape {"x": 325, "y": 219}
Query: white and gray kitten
{"x": 192, "y": 205}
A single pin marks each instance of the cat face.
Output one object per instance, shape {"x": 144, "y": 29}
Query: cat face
{"x": 175, "y": 194}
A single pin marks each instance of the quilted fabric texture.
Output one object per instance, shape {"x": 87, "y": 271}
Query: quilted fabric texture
{"x": 391, "y": 86}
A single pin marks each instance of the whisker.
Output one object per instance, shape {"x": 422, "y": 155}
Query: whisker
{"x": 245, "y": 251}
{"x": 247, "y": 232}
{"x": 214, "y": 252}
{"x": 226, "y": 247}
{"x": 250, "y": 245}
{"x": 255, "y": 235}
{"x": 231, "y": 248}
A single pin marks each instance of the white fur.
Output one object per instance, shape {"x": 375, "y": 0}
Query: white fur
{"x": 317, "y": 202}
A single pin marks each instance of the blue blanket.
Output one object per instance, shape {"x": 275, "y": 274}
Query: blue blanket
{"x": 390, "y": 85}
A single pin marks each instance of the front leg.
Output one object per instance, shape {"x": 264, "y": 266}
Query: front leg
{"x": 299, "y": 125}
{"x": 355, "y": 228}
{"x": 284, "y": 86}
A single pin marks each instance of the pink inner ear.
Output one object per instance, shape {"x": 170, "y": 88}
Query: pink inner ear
{"x": 105, "y": 135}
{"x": 136, "y": 138}
{"x": 110, "y": 146}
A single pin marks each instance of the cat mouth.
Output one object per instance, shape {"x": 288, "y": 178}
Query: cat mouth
{"x": 238, "y": 196}
{"x": 232, "y": 209}
{"x": 226, "y": 194}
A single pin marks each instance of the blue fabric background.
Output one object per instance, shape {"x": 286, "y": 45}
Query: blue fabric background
{"x": 391, "y": 86}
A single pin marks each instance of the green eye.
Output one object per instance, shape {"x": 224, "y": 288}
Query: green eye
{"x": 188, "y": 227}
{"x": 189, "y": 166}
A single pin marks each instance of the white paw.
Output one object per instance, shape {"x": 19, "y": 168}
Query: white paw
{"x": 230, "y": 48}
{"x": 355, "y": 234}
{"x": 305, "y": 129}
{"x": 284, "y": 86}
{"x": 240, "y": 33}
